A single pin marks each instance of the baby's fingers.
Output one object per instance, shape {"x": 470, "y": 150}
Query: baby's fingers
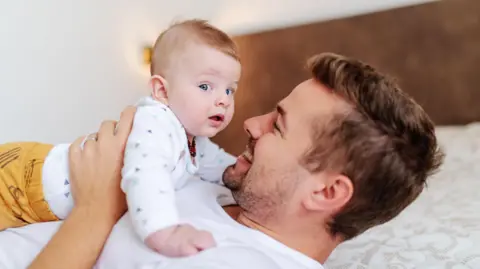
{"x": 188, "y": 249}
{"x": 203, "y": 240}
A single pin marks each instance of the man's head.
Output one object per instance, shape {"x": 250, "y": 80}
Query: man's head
{"x": 346, "y": 150}
{"x": 195, "y": 69}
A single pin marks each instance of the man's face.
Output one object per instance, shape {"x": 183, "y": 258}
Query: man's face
{"x": 268, "y": 178}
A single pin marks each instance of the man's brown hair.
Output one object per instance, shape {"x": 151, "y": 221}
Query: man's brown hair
{"x": 385, "y": 143}
{"x": 184, "y": 33}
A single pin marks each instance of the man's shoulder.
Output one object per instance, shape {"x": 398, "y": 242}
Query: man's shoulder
{"x": 232, "y": 257}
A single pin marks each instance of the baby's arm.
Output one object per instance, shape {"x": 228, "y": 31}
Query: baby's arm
{"x": 213, "y": 161}
{"x": 152, "y": 151}
{"x": 146, "y": 176}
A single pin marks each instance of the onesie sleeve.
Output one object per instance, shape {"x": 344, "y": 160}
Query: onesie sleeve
{"x": 149, "y": 160}
{"x": 213, "y": 161}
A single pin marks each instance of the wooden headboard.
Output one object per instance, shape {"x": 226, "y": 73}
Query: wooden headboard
{"x": 432, "y": 49}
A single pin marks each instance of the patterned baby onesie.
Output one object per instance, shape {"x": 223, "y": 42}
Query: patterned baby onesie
{"x": 157, "y": 162}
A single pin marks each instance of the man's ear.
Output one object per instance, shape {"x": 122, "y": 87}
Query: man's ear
{"x": 329, "y": 194}
{"x": 159, "y": 88}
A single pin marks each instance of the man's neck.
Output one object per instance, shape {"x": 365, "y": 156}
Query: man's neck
{"x": 314, "y": 242}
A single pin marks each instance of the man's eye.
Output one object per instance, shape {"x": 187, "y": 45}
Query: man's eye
{"x": 204, "y": 87}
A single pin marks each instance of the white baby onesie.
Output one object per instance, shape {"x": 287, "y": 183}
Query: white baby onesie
{"x": 157, "y": 162}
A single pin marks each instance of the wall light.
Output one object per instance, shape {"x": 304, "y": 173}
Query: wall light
{"x": 147, "y": 55}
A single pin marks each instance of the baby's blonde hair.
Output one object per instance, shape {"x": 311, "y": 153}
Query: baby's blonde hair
{"x": 181, "y": 34}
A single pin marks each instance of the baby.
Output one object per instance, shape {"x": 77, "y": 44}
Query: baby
{"x": 195, "y": 69}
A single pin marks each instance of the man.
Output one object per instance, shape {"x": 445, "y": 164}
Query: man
{"x": 347, "y": 150}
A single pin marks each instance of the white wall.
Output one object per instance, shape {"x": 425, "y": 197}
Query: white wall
{"x": 67, "y": 64}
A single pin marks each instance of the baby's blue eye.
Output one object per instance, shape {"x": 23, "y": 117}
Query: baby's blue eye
{"x": 229, "y": 91}
{"x": 204, "y": 87}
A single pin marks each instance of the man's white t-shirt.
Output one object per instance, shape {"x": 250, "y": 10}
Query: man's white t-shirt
{"x": 199, "y": 204}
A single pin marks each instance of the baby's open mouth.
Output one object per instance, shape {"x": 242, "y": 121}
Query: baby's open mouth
{"x": 218, "y": 118}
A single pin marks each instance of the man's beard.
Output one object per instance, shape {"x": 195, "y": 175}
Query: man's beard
{"x": 232, "y": 178}
{"x": 238, "y": 185}
{"x": 260, "y": 205}
{"x": 262, "y": 202}
{"x": 233, "y": 182}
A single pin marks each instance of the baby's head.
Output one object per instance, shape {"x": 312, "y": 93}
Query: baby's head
{"x": 195, "y": 70}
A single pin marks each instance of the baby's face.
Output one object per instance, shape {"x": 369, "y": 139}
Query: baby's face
{"x": 202, "y": 85}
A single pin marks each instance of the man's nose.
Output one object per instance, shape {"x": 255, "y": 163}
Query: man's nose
{"x": 257, "y": 126}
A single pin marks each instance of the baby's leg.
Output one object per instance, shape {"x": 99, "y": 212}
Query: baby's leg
{"x": 21, "y": 192}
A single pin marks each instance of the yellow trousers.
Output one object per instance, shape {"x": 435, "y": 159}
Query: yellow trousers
{"x": 21, "y": 191}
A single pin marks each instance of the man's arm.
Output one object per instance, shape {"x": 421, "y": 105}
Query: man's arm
{"x": 78, "y": 242}
{"x": 98, "y": 199}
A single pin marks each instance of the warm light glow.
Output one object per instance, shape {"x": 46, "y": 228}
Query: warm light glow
{"x": 147, "y": 55}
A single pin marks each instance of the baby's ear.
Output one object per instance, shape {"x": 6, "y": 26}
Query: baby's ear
{"x": 159, "y": 88}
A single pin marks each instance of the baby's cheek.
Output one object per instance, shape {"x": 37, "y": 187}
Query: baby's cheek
{"x": 229, "y": 115}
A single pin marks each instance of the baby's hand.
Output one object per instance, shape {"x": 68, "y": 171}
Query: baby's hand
{"x": 180, "y": 241}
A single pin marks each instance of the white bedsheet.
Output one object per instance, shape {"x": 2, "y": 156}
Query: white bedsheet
{"x": 441, "y": 229}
